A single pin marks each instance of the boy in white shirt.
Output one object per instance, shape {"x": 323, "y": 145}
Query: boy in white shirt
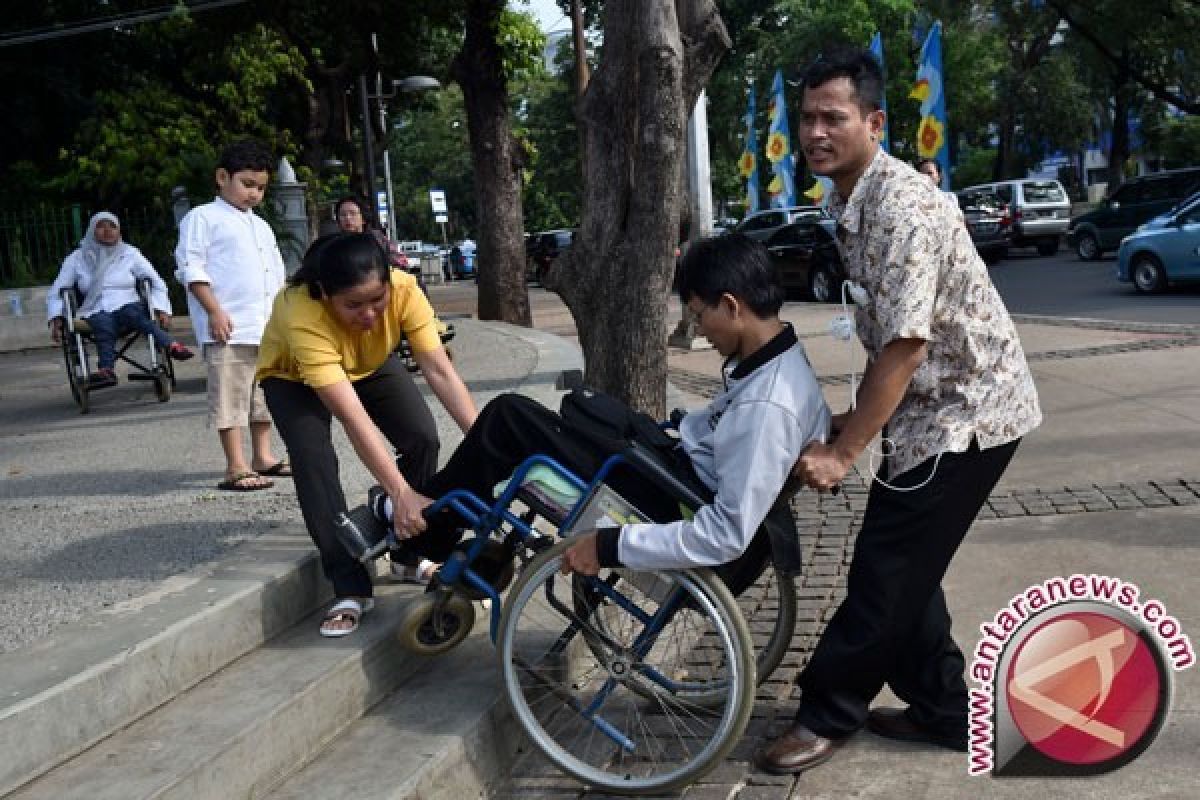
{"x": 231, "y": 265}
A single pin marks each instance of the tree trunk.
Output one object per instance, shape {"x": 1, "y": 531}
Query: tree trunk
{"x": 1119, "y": 150}
{"x": 616, "y": 276}
{"x": 496, "y": 160}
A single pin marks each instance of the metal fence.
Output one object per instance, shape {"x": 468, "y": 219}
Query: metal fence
{"x": 34, "y": 241}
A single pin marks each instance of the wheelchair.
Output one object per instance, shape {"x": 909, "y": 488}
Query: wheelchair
{"x": 632, "y": 681}
{"x": 445, "y": 333}
{"x": 77, "y": 336}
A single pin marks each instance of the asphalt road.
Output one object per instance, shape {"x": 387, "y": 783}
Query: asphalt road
{"x": 1063, "y": 286}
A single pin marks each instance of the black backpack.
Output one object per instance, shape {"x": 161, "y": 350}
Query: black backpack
{"x": 610, "y": 425}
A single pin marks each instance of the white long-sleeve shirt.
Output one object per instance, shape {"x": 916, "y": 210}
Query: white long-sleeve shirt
{"x": 742, "y": 446}
{"x": 119, "y": 287}
{"x": 236, "y": 254}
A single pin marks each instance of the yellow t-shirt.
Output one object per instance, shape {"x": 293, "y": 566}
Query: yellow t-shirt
{"x": 304, "y": 342}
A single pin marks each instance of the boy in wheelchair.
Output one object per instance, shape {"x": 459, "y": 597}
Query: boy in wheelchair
{"x": 105, "y": 272}
{"x": 739, "y": 449}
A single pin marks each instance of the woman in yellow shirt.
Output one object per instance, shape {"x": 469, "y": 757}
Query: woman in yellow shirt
{"x": 328, "y": 352}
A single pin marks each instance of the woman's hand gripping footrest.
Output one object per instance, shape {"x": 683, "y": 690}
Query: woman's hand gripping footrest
{"x": 364, "y": 537}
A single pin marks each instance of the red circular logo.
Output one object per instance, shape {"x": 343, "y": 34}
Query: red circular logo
{"x": 1084, "y": 688}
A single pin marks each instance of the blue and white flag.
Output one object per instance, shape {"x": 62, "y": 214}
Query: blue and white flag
{"x": 877, "y": 51}
{"x": 782, "y": 188}
{"x": 748, "y": 163}
{"x": 932, "y": 134}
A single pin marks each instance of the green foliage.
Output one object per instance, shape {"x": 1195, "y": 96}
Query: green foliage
{"x": 974, "y": 166}
{"x": 521, "y": 42}
{"x": 545, "y": 123}
{"x": 149, "y": 135}
{"x": 430, "y": 150}
{"x": 1175, "y": 139}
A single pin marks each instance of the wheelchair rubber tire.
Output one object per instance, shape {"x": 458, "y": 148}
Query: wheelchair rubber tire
{"x": 78, "y": 386}
{"x": 416, "y": 630}
{"x": 547, "y": 697}
{"x": 767, "y": 659}
{"x": 162, "y": 386}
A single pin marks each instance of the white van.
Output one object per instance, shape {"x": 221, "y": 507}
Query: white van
{"x": 1040, "y": 210}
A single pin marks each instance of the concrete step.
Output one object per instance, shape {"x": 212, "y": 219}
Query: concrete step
{"x": 91, "y": 678}
{"x": 445, "y": 734}
{"x": 239, "y": 732}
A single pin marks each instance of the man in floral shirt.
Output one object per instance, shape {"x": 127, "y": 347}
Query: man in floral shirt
{"x": 947, "y": 385}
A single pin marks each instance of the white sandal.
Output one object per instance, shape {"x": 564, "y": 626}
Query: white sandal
{"x": 421, "y": 574}
{"x": 348, "y": 608}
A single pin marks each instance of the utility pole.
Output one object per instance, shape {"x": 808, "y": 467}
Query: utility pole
{"x": 368, "y": 147}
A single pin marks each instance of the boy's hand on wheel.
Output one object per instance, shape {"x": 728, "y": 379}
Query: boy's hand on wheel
{"x": 582, "y": 556}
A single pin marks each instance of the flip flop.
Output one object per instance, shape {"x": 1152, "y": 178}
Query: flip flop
{"x": 280, "y": 469}
{"x": 348, "y": 608}
{"x": 236, "y": 483}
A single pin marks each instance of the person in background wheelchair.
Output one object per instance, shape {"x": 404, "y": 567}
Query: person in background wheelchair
{"x": 105, "y": 271}
{"x": 741, "y": 447}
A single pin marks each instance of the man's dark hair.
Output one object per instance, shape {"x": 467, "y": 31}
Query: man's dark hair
{"x": 731, "y": 263}
{"x": 859, "y": 66}
{"x": 245, "y": 154}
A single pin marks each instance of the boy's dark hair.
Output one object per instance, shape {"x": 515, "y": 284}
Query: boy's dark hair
{"x": 341, "y": 261}
{"x": 925, "y": 161}
{"x": 731, "y": 263}
{"x": 859, "y": 66}
{"x": 245, "y": 154}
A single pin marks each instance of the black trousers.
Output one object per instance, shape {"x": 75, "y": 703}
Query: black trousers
{"x": 893, "y": 627}
{"x": 395, "y": 405}
{"x": 508, "y": 430}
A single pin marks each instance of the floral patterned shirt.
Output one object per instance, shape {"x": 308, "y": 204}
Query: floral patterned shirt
{"x": 906, "y": 244}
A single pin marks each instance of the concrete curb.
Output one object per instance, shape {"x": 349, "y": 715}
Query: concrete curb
{"x": 105, "y": 673}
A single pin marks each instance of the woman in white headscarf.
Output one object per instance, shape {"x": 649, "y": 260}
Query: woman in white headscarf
{"x": 106, "y": 271}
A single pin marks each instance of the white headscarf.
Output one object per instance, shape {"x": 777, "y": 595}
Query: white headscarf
{"x": 99, "y": 255}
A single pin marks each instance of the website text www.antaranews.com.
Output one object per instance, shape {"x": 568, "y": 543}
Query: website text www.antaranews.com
{"x": 1037, "y": 598}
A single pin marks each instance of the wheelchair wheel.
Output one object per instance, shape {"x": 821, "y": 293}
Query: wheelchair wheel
{"x": 76, "y": 373}
{"x": 586, "y": 705}
{"x": 436, "y": 623}
{"x": 769, "y": 607}
{"x": 162, "y": 385}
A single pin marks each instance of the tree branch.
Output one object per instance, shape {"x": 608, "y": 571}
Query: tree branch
{"x": 1155, "y": 87}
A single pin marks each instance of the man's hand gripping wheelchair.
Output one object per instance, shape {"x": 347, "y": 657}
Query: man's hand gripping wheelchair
{"x": 633, "y": 681}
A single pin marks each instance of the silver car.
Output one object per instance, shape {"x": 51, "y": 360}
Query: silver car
{"x": 761, "y": 224}
{"x": 1040, "y": 211}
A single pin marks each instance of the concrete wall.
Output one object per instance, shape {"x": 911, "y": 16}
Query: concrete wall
{"x": 27, "y": 327}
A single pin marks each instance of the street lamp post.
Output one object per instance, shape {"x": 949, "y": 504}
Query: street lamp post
{"x": 413, "y": 83}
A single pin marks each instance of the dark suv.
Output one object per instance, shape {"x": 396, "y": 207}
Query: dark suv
{"x": 545, "y": 248}
{"x": 1099, "y": 231}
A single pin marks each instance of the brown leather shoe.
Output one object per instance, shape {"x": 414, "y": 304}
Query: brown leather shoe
{"x": 795, "y": 751}
{"x": 894, "y": 723}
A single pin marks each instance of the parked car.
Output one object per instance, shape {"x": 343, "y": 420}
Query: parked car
{"x": 1134, "y": 202}
{"x": 547, "y": 247}
{"x": 761, "y": 224}
{"x": 988, "y": 221}
{"x": 1040, "y": 211}
{"x": 808, "y": 259}
{"x": 1165, "y": 250}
